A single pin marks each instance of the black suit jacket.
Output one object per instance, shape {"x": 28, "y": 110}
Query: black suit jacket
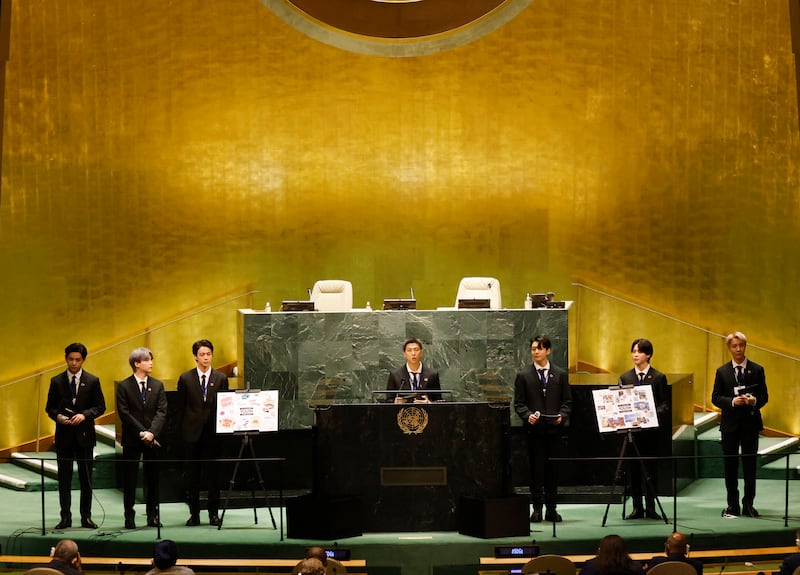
{"x": 661, "y": 392}
{"x": 400, "y": 379}
{"x": 789, "y": 564}
{"x": 741, "y": 417}
{"x": 199, "y": 416}
{"x": 530, "y": 396}
{"x": 89, "y": 401}
{"x": 138, "y": 416}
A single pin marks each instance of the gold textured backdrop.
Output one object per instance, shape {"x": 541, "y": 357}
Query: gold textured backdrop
{"x": 160, "y": 155}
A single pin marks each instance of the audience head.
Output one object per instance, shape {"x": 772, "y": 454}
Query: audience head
{"x": 612, "y": 556}
{"x": 677, "y": 543}
{"x": 311, "y": 566}
{"x": 317, "y": 552}
{"x": 165, "y": 554}
{"x": 67, "y": 551}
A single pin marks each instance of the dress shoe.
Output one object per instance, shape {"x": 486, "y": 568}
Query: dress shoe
{"x": 552, "y": 516}
{"x": 65, "y": 523}
{"x": 749, "y": 511}
{"x": 651, "y": 514}
{"x": 153, "y": 521}
{"x": 88, "y": 523}
{"x": 637, "y": 513}
{"x": 130, "y": 523}
{"x": 536, "y": 516}
{"x": 193, "y": 521}
{"x": 214, "y": 520}
{"x": 731, "y": 511}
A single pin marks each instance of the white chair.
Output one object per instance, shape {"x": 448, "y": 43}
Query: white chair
{"x": 550, "y": 565}
{"x": 332, "y": 295}
{"x": 480, "y": 288}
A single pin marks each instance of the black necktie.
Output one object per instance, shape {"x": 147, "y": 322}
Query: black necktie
{"x": 739, "y": 377}
{"x": 203, "y": 384}
{"x": 641, "y": 377}
{"x": 143, "y": 390}
{"x": 414, "y": 380}
{"x": 542, "y": 377}
{"x": 74, "y": 388}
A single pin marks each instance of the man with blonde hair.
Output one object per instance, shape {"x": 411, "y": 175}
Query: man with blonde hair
{"x": 740, "y": 391}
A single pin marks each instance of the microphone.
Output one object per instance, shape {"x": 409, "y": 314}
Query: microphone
{"x": 309, "y": 292}
{"x": 402, "y": 383}
{"x": 412, "y": 292}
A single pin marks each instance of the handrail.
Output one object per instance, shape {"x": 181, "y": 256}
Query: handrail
{"x": 678, "y": 320}
{"x": 160, "y": 325}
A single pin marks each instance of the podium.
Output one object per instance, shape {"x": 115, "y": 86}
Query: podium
{"x": 408, "y": 466}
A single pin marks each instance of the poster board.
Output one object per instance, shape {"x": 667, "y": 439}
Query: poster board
{"x": 254, "y": 411}
{"x": 624, "y": 408}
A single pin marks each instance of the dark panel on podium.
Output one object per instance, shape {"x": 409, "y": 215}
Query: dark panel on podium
{"x": 410, "y": 464}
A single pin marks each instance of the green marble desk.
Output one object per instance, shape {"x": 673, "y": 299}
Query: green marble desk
{"x": 319, "y": 358}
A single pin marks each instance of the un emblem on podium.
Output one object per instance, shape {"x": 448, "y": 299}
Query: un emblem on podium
{"x": 412, "y": 420}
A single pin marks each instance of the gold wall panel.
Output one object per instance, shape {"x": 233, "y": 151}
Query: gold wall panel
{"x": 157, "y": 155}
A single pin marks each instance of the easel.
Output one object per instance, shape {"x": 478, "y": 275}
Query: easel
{"x": 628, "y": 440}
{"x": 247, "y": 442}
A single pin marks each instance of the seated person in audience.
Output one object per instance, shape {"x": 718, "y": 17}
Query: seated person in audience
{"x": 413, "y": 377}
{"x": 165, "y": 555}
{"x": 311, "y": 566}
{"x": 66, "y": 558}
{"x": 329, "y": 566}
{"x": 612, "y": 559}
{"x": 676, "y": 548}
{"x": 792, "y": 562}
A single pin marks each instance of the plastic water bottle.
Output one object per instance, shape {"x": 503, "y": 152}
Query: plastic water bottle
{"x": 528, "y": 301}
{"x": 269, "y": 307}
{"x": 368, "y": 307}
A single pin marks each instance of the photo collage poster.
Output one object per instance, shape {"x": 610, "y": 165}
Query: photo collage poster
{"x": 624, "y": 408}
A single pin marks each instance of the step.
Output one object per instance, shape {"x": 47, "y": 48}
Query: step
{"x": 703, "y": 421}
{"x": 106, "y": 434}
{"x": 709, "y": 443}
{"x": 777, "y": 469}
{"x": 103, "y": 475}
{"x": 20, "y": 479}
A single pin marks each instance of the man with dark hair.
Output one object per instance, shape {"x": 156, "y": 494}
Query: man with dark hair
{"x": 543, "y": 400}
{"x": 165, "y": 555}
{"x": 647, "y": 440}
{"x": 66, "y": 558}
{"x": 740, "y": 391}
{"x": 142, "y": 408}
{"x": 413, "y": 377}
{"x": 74, "y": 401}
{"x": 676, "y": 548}
{"x": 792, "y": 561}
{"x": 197, "y": 403}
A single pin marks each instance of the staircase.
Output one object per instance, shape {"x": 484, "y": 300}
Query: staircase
{"x": 26, "y": 471}
{"x": 772, "y": 452}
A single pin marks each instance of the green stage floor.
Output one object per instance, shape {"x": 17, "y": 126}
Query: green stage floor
{"x": 699, "y": 509}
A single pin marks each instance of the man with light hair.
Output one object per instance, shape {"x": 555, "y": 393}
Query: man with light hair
{"x": 740, "y": 391}
{"x": 66, "y": 558}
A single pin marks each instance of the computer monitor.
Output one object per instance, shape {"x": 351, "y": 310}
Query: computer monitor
{"x": 297, "y": 305}
{"x": 399, "y": 304}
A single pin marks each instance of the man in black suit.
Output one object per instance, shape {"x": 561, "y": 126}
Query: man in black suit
{"x": 197, "y": 403}
{"x": 647, "y": 439}
{"x": 142, "y": 408}
{"x": 543, "y": 400}
{"x": 676, "y": 548}
{"x": 66, "y": 558}
{"x": 74, "y": 401}
{"x": 740, "y": 391}
{"x": 413, "y": 377}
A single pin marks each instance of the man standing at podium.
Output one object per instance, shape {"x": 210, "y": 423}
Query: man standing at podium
{"x": 197, "y": 402}
{"x": 647, "y": 440}
{"x": 740, "y": 391}
{"x": 543, "y": 400}
{"x": 413, "y": 377}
